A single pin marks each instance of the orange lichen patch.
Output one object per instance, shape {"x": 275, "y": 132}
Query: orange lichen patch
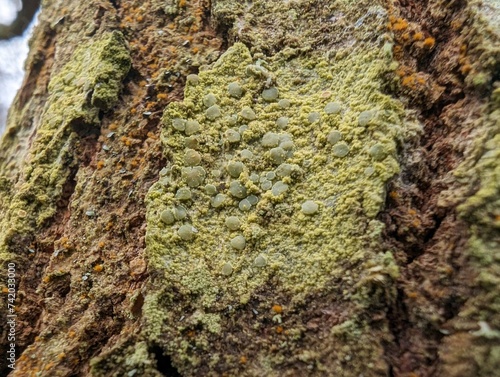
{"x": 195, "y": 28}
{"x": 61, "y": 356}
{"x": 49, "y": 366}
{"x": 150, "y": 105}
{"x": 419, "y": 36}
{"x": 101, "y": 244}
{"x": 133, "y": 110}
{"x": 400, "y": 25}
{"x": 100, "y": 165}
{"x": 125, "y": 140}
{"x": 408, "y": 81}
{"x": 401, "y": 72}
{"x": 456, "y": 24}
{"x": 65, "y": 243}
{"x": 98, "y": 268}
{"x": 278, "y": 309}
{"x": 412, "y": 212}
{"x": 466, "y": 68}
{"x": 412, "y": 295}
{"x": 416, "y": 223}
{"x": 109, "y": 225}
{"x": 140, "y": 18}
{"x": 143, "y": 83}
{"x": 182, "y": 3}
{"x": 161, "y": 96}
{"x": 46, "y": 279}
{"x": 5, "y": 290}
{"x": 429, "y": 42}
{"x": 394, "y": 195}
{"x": 171, "y": 26}
{"x": 405, "y": 37}
{"x": 151, "y": 135}
{"x": 279, "y": 330}
{"x": 243, "y": 360}
{"x": 113, "y": 126}
{"x": 413, "y": 81}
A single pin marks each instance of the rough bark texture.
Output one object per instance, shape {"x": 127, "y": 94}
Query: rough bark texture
{"x": 266, "y": 188}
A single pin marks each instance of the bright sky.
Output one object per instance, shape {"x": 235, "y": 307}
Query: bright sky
{"x": 13, "y": 52}
{"x": 8, "y": 10}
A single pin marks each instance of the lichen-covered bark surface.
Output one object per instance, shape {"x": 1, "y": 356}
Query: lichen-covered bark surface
{"x": 279, "y": 188}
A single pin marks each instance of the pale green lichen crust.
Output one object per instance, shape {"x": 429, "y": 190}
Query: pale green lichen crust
{"x": 310, "y": 169}
{"x": 135, "y": 357}
{"x": 88, "y": 83}
{"x": 256, "y": 228}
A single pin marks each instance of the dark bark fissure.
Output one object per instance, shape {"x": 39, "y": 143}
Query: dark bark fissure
{"x": 164, "y": 363}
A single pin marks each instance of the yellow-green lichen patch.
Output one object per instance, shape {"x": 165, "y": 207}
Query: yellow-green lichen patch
{"x": 482, "y": 210}
{"x": 88, "y": 83}
{"x": 257, "y": 227}
{"x": 133, "y": 356}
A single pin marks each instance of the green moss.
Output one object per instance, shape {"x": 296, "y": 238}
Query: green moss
{"x": 88, "y": 83}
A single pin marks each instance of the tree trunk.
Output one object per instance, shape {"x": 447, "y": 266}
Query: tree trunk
{"x": 267, "y": 188}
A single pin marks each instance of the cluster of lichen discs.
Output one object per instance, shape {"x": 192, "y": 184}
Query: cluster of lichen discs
{"x": 265, "y": 177}
{"x": 223, "y": 165}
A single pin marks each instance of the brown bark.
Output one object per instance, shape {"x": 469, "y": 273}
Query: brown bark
{"x": 83, "y": 270}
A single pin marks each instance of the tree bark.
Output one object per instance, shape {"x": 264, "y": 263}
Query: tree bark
{"x": 283, "y": 188}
